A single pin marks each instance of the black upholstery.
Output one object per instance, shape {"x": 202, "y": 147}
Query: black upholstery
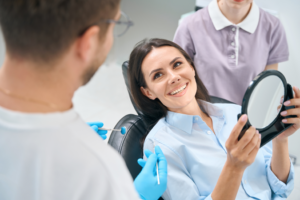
{"x": 129, "y": 145}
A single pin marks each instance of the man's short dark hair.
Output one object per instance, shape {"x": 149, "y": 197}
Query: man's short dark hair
{"x": 43, "y": 29}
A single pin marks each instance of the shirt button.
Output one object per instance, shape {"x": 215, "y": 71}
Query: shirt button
{"x": 208, "y": 132}
{"x": 233, "y": 56}
{"x": 232, "y": 43}
{"x": 196, "y": 118}
{"x": 233, "y": 29}
{"x": 245, "y": 182}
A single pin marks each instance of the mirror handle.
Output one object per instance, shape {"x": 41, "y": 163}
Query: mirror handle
{"x": 245, "y": 128}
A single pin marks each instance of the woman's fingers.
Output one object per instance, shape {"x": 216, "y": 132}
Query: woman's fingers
{"x": 233, "y": 137}
{"x": 292, "y": 111}
{"x": 253, "y": 153}
{"x": 297, "y": 92}
{"x": 247, "y": 138}
{"x": 291, "y": 121}
{"x": 252, "y": 144}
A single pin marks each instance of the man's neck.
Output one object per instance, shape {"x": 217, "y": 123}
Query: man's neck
{"x": 233, "y": 14}
{"x": 34, "y": 88}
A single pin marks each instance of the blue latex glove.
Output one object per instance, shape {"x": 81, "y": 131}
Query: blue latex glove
{"x": 95, "y": 126}
{"x": 146, "y": 182}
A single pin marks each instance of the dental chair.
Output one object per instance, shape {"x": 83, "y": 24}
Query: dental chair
{"x": 129, "y": 145}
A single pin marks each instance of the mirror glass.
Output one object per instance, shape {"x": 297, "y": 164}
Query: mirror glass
{"x": 265, "y": 101}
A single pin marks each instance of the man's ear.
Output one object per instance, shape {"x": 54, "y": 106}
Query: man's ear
{"x": 87, "y": 43}
{"x": 148, "y": 93}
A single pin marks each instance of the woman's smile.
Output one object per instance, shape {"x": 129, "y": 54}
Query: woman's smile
{"x": 179, "y": 91}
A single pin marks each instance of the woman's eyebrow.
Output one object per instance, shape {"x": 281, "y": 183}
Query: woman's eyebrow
{"x": 155, "y": 71}
{"x": 174, "y": 60}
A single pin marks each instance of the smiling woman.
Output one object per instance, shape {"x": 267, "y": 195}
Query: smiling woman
{"x": 152, "y": 65}
{"x": 199, "y": 139}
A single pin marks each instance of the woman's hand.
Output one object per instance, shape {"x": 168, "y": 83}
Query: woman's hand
{"x": 295, "y": 121}
{"x": 241, "y": 153}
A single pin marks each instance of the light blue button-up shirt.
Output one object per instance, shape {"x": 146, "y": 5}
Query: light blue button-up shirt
{"x": 196, "y": 156}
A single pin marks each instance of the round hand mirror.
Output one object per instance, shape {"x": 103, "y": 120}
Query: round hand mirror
{"x": 263, "y": 102}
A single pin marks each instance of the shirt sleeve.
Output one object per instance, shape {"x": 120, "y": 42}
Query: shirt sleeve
{"x": 180, "y": 183}
{"x": 183, "y": 37}
{"x": 279, "y": 188}
{"x": 279, "y": 51}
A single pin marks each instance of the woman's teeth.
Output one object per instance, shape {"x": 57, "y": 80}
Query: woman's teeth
{"x": 179, "y": 90}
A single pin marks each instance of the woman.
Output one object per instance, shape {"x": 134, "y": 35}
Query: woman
{"x": 199, "y": 139}
{"x": 230, "y": 42}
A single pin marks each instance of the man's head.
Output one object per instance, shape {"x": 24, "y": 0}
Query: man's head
{"x": 49, "y": 31}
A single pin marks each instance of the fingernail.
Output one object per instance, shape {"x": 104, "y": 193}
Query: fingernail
{"x": 287, "y": 103}
{"x": 257, "y": 132}
{"x": 259, "y": 136}
{"x": 281, "y": 100}
{"x": 284, "y": 120}
{"x": 283, "y": 113}
{"x": 244, "y": 118}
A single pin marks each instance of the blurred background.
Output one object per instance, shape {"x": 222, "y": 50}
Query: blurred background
{"x": 106, "y": 99}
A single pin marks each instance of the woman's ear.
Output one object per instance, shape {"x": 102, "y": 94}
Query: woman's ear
{"x": 148, "y": 93}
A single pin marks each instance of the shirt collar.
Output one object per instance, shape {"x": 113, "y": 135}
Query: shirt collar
{"x": 185, "y": 122}
{"x": 249, "y": 24}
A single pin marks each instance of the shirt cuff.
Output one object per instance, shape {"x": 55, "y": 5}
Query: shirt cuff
{"x": 278, "y": 187}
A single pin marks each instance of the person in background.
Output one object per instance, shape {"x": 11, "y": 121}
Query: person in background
{"x": 231, "y": 42}
{"x": 46, "y": 150}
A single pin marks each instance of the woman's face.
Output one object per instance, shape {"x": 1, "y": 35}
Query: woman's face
{"x": 169, "y": 77}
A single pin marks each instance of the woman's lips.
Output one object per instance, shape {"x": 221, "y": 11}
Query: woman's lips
{"x": 181, "y": 93}
{"x": 238, "y": 0}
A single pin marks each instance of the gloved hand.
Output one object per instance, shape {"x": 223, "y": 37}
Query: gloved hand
{"x": 95, "y": 126}
{"x": 146, "y": 182}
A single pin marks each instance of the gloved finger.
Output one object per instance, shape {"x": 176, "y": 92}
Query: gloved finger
{"x": 102, "y": 132}
{"x": 103, "y": 137}
{"x": 162, "y": 162}
{"x": 147, "y": 153}
{"x": 150, "y": 164}
{"x": 95, "y": 128}
{"x": 141, "y": 162}
{"x": 99, "y": 124}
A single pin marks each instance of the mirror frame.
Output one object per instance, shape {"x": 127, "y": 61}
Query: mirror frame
{"x": 276, "y": 126}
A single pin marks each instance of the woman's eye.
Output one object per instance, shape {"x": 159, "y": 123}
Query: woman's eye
{"x": 157, "y": 75}
{"x": 177, "y": 64}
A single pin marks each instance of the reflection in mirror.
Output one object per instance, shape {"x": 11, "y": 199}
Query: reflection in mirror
{"x": 265, "y": 102}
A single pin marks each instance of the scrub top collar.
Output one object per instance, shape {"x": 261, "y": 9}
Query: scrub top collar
{"x": 249, "y": 24}
{"x": 185, "y": 122}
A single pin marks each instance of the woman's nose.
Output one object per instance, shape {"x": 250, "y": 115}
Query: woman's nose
{"x": 174, "y": 78}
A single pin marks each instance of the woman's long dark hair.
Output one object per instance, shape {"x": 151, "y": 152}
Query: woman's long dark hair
{"x": 154, "y": 109}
